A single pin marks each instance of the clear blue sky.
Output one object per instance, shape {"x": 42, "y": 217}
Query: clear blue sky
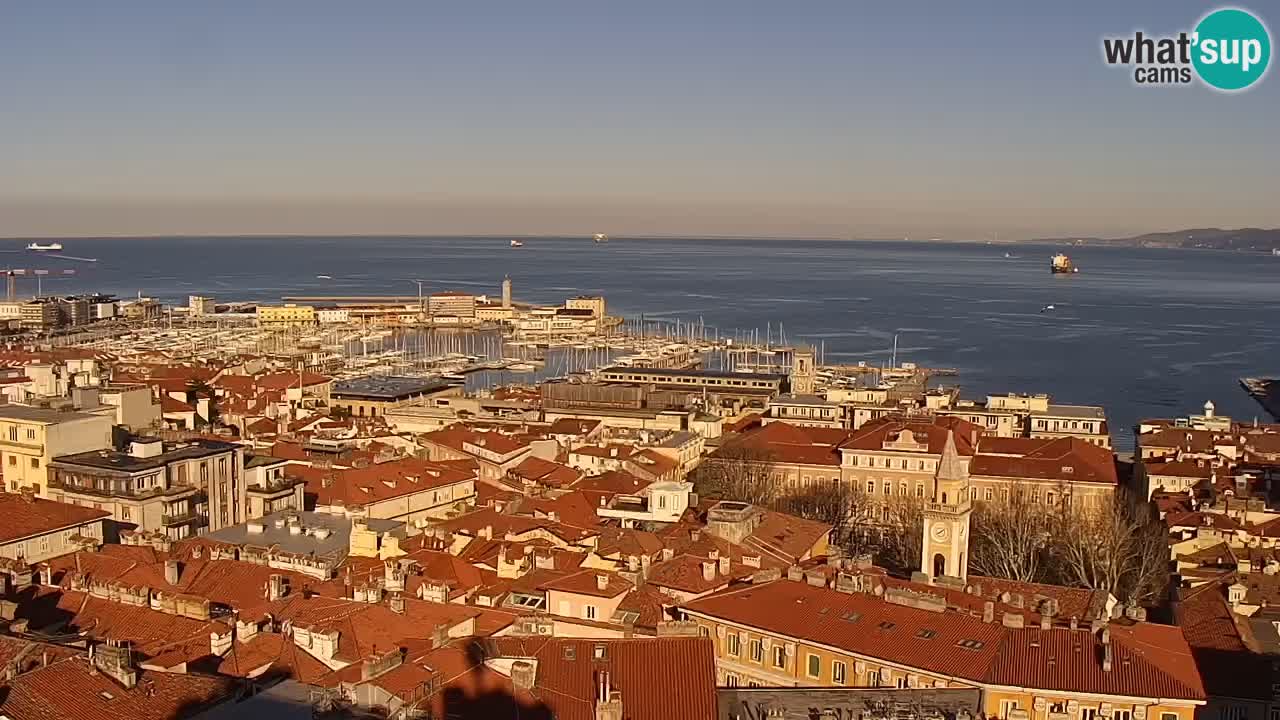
{"x": 835, "y": 119}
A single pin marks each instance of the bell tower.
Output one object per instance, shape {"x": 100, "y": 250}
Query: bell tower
{"x": 803, "y": 373}
{"x": 945, "y": 546}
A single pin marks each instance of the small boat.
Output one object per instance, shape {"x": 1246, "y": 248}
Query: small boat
{"x": 600, "y": 238}
{"x": 324, "y": 277}
{"x": 51, "y": 247}
{"x": 517, "y": 243}
{"x": 1047, "y": 308}
{"x": 1061, "y": 265}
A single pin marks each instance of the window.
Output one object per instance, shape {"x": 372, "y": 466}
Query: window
{"x": 757, "y": 651}
{"x": 837, "y": 672}
{"x": 1035, "y": 496}
{"x": 35, "y": 463}
{"x": 1006, "y": 707}
{"x": 921, "y": 465}
{"x": 902, "y": 489}
{"x": 731, "y": 680}
{"x": 780, "y": 657}
{"x": 1124, "y": 715}
{"x": 905, "y": 463}
{"x": 44, "y": 543}
{"x": 901, "y": 682}
{"x": 1088, "y": 713}
{"x": 124, "y": 512}
{"x": 987, "y": 494}
{"x": 13, "y": 433}
{"x": 31, "y": 434}
{"x": 888, "y": 488}
{"x": 815, "y": 666}
{"x": 871, "y": 487}
{"x": 1050, "y": 498}
{"x": 13, "y": 459}
{"x": 589, "y": 612}
{"x": 1228, "y": 712}
{"x": 919, "y": 490}
{"x": 733, "y": 644}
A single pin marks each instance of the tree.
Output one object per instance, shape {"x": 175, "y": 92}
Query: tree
{"x": 842, "y": 506}
{"x": 897, "y": 539}
{"x": 1010, "y": 539}
{"x": 740, "y": 472}
{"x": 1119, "y": 548}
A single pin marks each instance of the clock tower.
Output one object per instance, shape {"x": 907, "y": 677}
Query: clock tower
{"x": 944, "y": 550}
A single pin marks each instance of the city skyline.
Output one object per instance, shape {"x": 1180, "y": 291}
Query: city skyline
{"x": 830, "y": 120}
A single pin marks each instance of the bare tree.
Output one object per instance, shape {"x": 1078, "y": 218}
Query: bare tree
{"x": 841, "y": 505}
{"x": 738, "y": 471}
{"x": 1010, "y": 539}
{"x": 1119, "y": 547}
{"x": 895, "y": 539}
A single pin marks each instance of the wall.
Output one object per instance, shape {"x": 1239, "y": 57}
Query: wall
{"x": 52, "y": 544}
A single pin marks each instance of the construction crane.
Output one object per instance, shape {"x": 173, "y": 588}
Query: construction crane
{"x": 11, "y": 276}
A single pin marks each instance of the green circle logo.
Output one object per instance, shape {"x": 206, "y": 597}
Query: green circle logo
{"x": 1232, "y": 49}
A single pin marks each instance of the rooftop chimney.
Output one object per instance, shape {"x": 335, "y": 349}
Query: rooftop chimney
{"x": 708, "y": 570}
{"x": 988, "y": 611}
{"x": 523, "y": 674}
{"x": 171, "y": 572}
{"x": 608, "y": 700}
{"x": 115, "y": 660}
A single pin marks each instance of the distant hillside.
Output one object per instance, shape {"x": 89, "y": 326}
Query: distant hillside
{"x": 1253, "y": 239}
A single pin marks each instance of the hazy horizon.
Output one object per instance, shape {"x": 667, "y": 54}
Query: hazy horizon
{"x": 724, "y": 119}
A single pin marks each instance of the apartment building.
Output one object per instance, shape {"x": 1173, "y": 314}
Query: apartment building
{"x": 178, "y": 489}
{"x": 452, "y": 303}
{"x": 30, "y": 437}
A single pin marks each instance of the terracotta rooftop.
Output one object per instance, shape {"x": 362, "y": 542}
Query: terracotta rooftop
{"x": 1066, "y": 459}
{"x": 26, "y": 516}
{"x": 1150, "y": 661}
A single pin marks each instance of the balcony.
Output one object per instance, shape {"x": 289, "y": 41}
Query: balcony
{"x": 181, "y": 518}
{"x": 949, "y": 508}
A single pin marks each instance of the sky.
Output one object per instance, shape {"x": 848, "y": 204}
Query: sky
{"x": 789, "y": 119}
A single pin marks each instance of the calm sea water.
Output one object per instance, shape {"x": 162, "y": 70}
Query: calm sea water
{"x": 1142, "y": 332}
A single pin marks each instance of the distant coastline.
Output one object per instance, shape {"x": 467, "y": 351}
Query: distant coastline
{"x": 1243, "y": 239}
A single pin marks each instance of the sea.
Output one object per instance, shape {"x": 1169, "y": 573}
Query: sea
{"x": 1142, "y": 332}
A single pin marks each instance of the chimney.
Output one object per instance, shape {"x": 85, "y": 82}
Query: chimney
{"x": 523, "y": 674}
{"x": 988, "y": 611}
{"x": 602, "y": 581}
{"x": 708, "y": 570}
{"x": 397, "y": 604}
{"x": 608, "y": 700}
{"x": 116, "y": 661}
{"x": 277, "y": 587}
{"x": 171, "y": 572}
{"x": 1011, "y": 620}
{"x": 1106, "y": 657}
{"x": 1046, "y": 622}
{"x": 724, "y": 565}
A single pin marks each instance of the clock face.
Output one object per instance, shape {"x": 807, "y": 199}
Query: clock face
{"x": 939, "y": 533}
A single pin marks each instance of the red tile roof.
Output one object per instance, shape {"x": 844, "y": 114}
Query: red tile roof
{"x": 26, "y": 516}
{"x": 1150, "y": 661}
{"x": 71, "y": 689}
{"x": 1065, "y": 459}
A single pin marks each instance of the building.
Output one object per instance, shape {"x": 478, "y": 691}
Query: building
{"x": 35, "y": 529}
{"x": 269, "y": 489}
{"x": 452, "y": 303}
{"x": 804, "y": 410}
{"x": 796, "y": 632}
{"x": 593, "y": 303}
{"x": 178, "y": 489}
{"x": 373, "y": 395}
{"x": 201, "y": 305}
{"x": 506, "y": 292}
{"x": 323, "y": 538}
{"x": 31, "y": 437}
{"x": 802, "y": 703}
{"x": 1035, "y": 416}
{"x": 141, "y": 309}
{"x": 758, "y": 383}
{"x": 327, "y": 315}
{"x": 135, "y": 406}
{"x": 41, "y": 314}
{"x": 287, "y": 315}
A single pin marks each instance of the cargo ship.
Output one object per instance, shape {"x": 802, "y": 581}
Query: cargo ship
{"x": 517, "y": 243}
{"x": 600, "y": 238}
{"x": 1061, "y": 264}
{"x": 52, "y": 247}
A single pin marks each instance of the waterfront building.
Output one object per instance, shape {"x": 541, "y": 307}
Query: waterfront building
{"x": 269, "y": 489}
{"x": 374, "y": 395}
{"x": 41, "y": 314}
{"x": 30, "y": 437}
{"x": 758, "y": 384}
{"x": 1034, "y": 416}
{"x": 198, "y": 305}
{"x": 593, "y": 303}
{"x": 34, "y": 529}
{"x": 286, "y": 316}
{"x": 331, "y": 315}
{"x": 452, "y": 303}
{"x": 141, "y": 309}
